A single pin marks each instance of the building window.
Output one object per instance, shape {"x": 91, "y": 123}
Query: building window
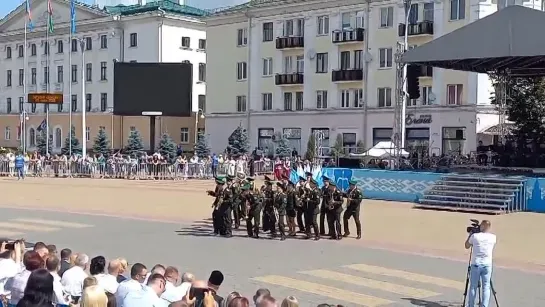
{"x": 241, "y": 103}
{"x": 89, "y": 72}
{"x": 241, "y": 71}
{"x": 322, "y": 140}
{"x": 33, "y": 107}
{"x": 133, "y": 40}
{"x": 74, "y": 44}
{"x": 88, "y": 43}
{"x": 268, "y": 32}
{"x": 386, "y": 17}
{"x": 184, "y": 135}
{"x": 103, "y": 101}
{"x": 8, "y": 78}
{"x": 345, "y": 60}
{"x": 202, "y": 44}
{"x": 21, "y": 77}
{"x": 417, "y": 139}
{"x": 299, "y": 104}
{"x": 349, "y": 142}
{"x": 293, "y": 136}
{"x": 294, "y": 27}
{"x": 74, "y": 75}
{"x": 104, "y": 41}
{"x": 58, "y": 138}
{"x": 426, "y": 91}
{"x": 60, "y": 107}
{"x": 88, "y": 102}
{"x": 8, "y": 52}
{"x": 322, "y": 63}
{"x": 428, "y": 11}
{"x": 321, "y": 99}
{"x": 202, "y": 103}
{"x": 87, "y": 134}
{"x": 8, "y": 105}
{"x": 454, "y": 94}
{"x": 454, "y": 139}
{"x": 288, "y": 101}
{"x": 186, "y": 42}
{"x": 32, "y": 137}
{"x": 323, "y": 25}
{"x": 385, "y": 57}
{"x": 457, "y": 9}
{"x": 358, "y": 59}
{"x": 21, "y": 51}
{"x": 21, "y": 104}
{"x": 345, "y": 98}
{"x": 413, "y": 14}
{"x": 300, "y": 64}
{"x": 7, "y": 133}
{"x": 267, "y": 67}
{"x": 60, "y": 74}
{"x": 382, "y": 135}
{"x": 46, "y": 75}
{"x": 74, "y": 102}
{"x": 46, "y": 48}
{"x": 242, "y": 37}
{"x": 266, "y": 101}
{"x": 33, "y": 73}
{"x": 265, "y": 140}
{"x": 33, "y": 50}
{"x": 288, "y": 67}
{"x": 384, "y": 97}
{"x": 346, "y": 20}
{"x": 202, "y": 72}
{"x": 103, "y": 71}
{"x": 358, "y": 98}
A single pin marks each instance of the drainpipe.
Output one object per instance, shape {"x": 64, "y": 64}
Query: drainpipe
{"x": 366, "y": 70}
{"x": 248, "y": 76}
{"x": 163, "y": 13}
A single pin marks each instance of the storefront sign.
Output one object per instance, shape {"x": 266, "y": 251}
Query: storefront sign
{"x": 411, "y": 119}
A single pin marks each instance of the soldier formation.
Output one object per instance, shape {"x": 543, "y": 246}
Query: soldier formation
{"x": 285, "y": 203}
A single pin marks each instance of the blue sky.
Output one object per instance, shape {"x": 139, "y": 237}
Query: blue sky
{"x": 7, "y": 6}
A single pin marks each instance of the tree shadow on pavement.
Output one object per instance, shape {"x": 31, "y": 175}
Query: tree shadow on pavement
{"x": 424, "y": 303}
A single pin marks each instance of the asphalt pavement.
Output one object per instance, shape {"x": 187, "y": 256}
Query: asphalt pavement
{"x": 315, "y": 272}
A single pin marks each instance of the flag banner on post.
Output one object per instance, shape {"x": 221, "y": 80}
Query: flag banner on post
{"x": 294, "y": 177}
{"x": 73, "y": 16}
{"x": 317, "y": 175}
{"x": 42, "y": 126}
{"x": 49, "y": 17}
{"x": 29, "y": 16}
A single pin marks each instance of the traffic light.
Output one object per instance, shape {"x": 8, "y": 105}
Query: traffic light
{"x": 413, "y": 83}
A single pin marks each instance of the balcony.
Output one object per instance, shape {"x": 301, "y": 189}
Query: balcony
{"x": 290, "y": 42}
{"x": 427, "y": 72}
{"x": 347, "y": 36}
{"x": 347, "y": 75}
{"x": 419, "y": 28}
{"x": 289, "y": 79}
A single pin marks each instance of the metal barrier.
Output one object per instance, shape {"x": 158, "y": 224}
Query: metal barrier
{"x": 132, "y": 169}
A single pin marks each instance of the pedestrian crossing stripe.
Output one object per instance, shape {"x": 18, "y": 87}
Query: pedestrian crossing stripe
{"x": 15, "y": 228}
{"x": 323, "y": 290}
{"x": 360, "y": 299}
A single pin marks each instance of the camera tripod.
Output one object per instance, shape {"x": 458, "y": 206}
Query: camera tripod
{"x": 466, "y": 288}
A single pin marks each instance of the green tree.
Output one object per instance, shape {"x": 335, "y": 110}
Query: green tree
{"x": 338, "y": 148}
{"x": 310, "y": 154}
{"x": 135, "y": 145}
{"x": 238, "y": 142}
{"x": 76, "y": 146}
{"x": 283, "y": 148}
{"x": 360, "y": 147}
{"x": 42, "y": 145}
{"x": 101, "y": 144}
{"x": 201, "y": 148}
{"x": 167, "y": 148}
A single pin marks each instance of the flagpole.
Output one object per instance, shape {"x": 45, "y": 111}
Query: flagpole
{"x": 70, "y": 93}
{"x": 22, "y": 124}
{"x": 48, "y": 88}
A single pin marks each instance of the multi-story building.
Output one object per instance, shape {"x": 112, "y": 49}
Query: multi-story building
{"x": 53, "y": 62}
{"x": 202, "y": 4}
{"x": 296, "y": 67}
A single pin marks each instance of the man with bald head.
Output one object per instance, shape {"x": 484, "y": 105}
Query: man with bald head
{"x": 72, "y": 279}
{"x": 171, "y": 293}
{"x": 108, "y": 282}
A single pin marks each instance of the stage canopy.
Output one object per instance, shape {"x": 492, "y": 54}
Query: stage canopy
{"x": 510, "y": 39}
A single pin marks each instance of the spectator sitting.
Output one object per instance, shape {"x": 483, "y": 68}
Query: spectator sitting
{"x": 239, "y": 301}
{"x": 72, "y": 279}
{"x": 38, "y": 291}
{"x": 171, "y": 294}
{"x": 10, "y": 262}
{"x": 109, "y": 281}
{"x": 52, "y": 249}
{"x": 187, "y": 280}
{"x": 157, "y": 269}
{"x": 65, "y": 261}
{"x": 147, "y": 295}
{"x": 267, "y": 301}
{"x": 214, "y": 282}
{"x": 17, "y": 284}
{"x": 52, "y": 264}
{"x": 138, "y": 275}
{"x": 111, "y": 300}
{"x": 229, "y": 298}
{"x": 94, "y": 296}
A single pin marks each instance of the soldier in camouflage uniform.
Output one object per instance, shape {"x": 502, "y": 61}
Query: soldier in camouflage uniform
{"x": 279, "y": 213}
{"x": 312, "y": 209}
{"x": 354, "y": 198}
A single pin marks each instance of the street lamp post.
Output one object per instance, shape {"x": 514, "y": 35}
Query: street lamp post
{"x": 111, "y": 110}
{"x": 84, "y": 101}
{"x": 198, "y": 114}
{"x": 22, "y": 129}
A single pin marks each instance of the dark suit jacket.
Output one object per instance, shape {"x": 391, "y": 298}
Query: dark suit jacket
{"x": 64, "y": 266}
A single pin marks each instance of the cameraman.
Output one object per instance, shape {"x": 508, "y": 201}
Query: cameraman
{"x": 482, "y": 242}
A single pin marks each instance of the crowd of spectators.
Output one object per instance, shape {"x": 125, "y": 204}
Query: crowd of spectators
{"x": 42, "y": 277}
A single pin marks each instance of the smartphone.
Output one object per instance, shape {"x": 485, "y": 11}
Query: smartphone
{"x": 197, "y": 293}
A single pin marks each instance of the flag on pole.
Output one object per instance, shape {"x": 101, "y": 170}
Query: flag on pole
{"x": 42, "y": 126}
{"x": 73, "y": 16}
{"x": 49, "y": 17}
{"x": 29, "y": 16}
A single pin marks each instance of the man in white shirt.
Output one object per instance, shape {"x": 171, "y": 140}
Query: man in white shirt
{"x": 172, "y": 293}
{"x": 108, "y": 281}
{"x": 10, "y": 262}
{"x": 157, "y": 269}
{"x": 482, "y": 244}
{"x": 53, "y": 265}
{"x": 147, "y": 295}
{"x": 72, "y": 279}
{"x": 138, "y": 275}
{"x": 187, "y": 280}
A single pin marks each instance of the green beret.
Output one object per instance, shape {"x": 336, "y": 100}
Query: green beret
{"x": 332, "y": 183}
{"x": 245, "y": 187}
{"x": 220, "y": 180}
{"x": 354, "y": 182}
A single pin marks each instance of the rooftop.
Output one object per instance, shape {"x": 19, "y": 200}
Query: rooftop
{"x": 164, "y": 5}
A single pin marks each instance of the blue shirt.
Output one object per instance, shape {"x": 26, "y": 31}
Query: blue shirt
{"x": 215, "y": 161}
{"x": 143, "y": 297}
{"x": 19, "y": 161}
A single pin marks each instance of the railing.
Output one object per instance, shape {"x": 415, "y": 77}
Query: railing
{"x": 133, "y": 170}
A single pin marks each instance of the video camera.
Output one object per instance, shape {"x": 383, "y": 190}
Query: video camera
{"x": 475, "y": 227}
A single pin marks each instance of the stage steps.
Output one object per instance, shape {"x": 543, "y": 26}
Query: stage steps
{"x": 475, "y": 193}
